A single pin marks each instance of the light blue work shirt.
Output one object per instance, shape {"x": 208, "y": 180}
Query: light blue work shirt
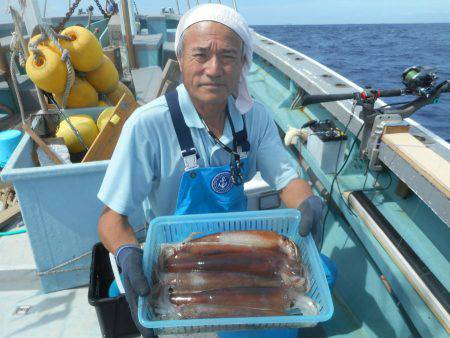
{"x": 147, "y": 166}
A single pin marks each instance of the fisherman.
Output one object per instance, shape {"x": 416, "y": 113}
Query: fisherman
{"x": 191, "y": 150}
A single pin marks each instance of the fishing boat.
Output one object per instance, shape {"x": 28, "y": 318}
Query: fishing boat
{"x": 384, "y": 177}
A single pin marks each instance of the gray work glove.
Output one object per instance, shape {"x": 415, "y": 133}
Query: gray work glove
{"x": 129, "y": 259}
{"x": 311, "y": 211}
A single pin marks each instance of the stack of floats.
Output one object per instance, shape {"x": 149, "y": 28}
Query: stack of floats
{"x": 95, "y": 74}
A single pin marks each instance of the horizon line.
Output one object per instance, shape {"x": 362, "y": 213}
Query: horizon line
{"x": 360, "y": 23}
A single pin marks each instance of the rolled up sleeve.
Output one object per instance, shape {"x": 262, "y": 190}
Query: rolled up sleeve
{"x": 276, "y": 165}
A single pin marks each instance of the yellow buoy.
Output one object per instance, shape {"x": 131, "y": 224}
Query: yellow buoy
{"x": 85, "y": 50}
{"x": 104, "y": 118}
{"x": 105, "y": 78}
{"x": 86, "y": 127}
{"x": 81, "y": 95}
{"x": 45, "y": 43}
{"x": 116, "y": 95}
{"x": 47, "y": 71}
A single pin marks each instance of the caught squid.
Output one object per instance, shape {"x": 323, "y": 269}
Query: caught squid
{"x": 253, "y": 263}
{"x": 209, "y": 248}
{"x": 276, "y": 299}
{"x": 232, "y": 302}
{"x": 200, "y": 281}
{"x": 213, "y": 311}
{"x": 231, "y": 274}
{"x": 254, "y": 238}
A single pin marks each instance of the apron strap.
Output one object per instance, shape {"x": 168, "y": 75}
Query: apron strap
{"x": 188, "y": 151}
{"x": 240, "y": 142}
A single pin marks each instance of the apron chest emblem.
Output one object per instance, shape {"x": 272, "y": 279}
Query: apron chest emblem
{"x": 221, "y": 183}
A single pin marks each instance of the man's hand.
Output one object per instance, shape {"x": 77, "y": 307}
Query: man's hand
{"x": 298, "y": 194}
{"x": 129, "y": 259}
{"x": 311, "y": 218}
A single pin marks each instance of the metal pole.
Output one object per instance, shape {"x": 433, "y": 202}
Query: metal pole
{"x": 197, "y": 2}
{"x": 235, "y": 5}
{"x": 128, "y": 35}
{"x": 18, "y": 29}
{"x": 89, "y": 19}
{"x": 178, "y": 7}
{"x": 45, "y": 7}
{"x": 188, "y": 4}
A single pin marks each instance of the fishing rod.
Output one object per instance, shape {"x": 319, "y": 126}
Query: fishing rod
{"x": 418, "y": 81}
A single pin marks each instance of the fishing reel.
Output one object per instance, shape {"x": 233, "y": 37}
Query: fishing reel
{"x": 419, "y": 80}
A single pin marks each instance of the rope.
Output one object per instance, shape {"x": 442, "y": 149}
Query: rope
{"x": 57, "y": 268}
{"x": 32, "y": 46}
{"x": 65, "y": 56}
{"x": 22, "y": 61}
{"x": 63, "y": 37}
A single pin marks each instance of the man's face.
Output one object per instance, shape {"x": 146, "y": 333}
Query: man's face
{"x": 211, "y": 62}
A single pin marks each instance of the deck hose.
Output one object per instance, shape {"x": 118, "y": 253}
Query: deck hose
{"x": 13, "y": 232}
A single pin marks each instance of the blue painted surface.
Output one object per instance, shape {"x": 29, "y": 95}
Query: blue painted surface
{"x": 104, "y": 38}
{"x": 101, "y": 25}
{"x": 148, "y": 50}
{"x": 157, "y": 25}
{"x": 171, "y": 24}
{"x": 147, "y": 58}
{"x": 100, "y": 30}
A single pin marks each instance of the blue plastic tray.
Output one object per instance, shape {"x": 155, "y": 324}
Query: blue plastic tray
{"x": 169, "y": 229}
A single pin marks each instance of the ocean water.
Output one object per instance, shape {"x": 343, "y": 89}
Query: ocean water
{"x": 376, "y": 55}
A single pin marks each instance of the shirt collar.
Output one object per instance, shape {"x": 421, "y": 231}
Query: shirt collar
{"x": 192, "y": 118}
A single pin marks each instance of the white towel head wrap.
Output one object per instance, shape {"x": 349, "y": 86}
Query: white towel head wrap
{"x": 232, "y": 19}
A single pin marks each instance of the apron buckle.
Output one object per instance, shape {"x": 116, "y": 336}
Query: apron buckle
{"x": 242, "y": 153}
{"x": 190, "y": 159}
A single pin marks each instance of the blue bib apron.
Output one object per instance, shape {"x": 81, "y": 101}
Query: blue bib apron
{"x": 207, "y": 190}
{"x": 211, "y": 190}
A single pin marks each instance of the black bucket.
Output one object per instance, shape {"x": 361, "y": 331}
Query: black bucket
{"x": 113, "y": 313}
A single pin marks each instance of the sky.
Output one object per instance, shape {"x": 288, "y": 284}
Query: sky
{"x": 305, "y": 12}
